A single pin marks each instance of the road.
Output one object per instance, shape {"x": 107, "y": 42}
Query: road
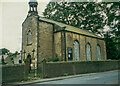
{"x": 110, "y": 77}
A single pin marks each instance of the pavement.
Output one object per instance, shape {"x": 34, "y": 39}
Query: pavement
{"x": 57, "y": 78}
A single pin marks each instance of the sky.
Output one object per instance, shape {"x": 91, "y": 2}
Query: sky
{"x": 12, "y": 15}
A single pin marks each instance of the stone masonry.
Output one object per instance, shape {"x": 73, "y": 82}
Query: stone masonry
{"x": 44, "y": 38}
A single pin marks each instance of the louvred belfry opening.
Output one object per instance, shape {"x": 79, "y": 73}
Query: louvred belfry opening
{"x": 33, "y": 7}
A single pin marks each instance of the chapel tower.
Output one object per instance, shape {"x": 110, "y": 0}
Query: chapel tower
{"x": 33, "y": 7}
{"x": 30, "y": 36}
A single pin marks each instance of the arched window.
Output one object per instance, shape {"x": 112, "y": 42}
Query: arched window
{"x": 29, "y": 40}
{"x": 98, "y": 52}
{"x": 88, "y": 51}
{"x": 76, "y": 51}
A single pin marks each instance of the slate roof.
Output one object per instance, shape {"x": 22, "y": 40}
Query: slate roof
{"x": 70, "y": 28}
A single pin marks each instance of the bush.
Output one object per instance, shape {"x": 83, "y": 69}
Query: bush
{"x": 2, "y": 60}
{"x": 65, "y": 74}
{"x": 53, "y": 59}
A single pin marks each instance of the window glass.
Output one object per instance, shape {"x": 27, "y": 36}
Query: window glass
{"x": 29, "y": 40}
{"x": 76, "y": 51}
{"x": 98, "y": 52}
{"x": 88, "y": 51}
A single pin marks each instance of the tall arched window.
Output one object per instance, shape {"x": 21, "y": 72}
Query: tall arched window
{"x": 29, "y": 40}
{"x": 76, "y": 51}
{"x": 98, "y": 52}
{"x": 88, "y": 51}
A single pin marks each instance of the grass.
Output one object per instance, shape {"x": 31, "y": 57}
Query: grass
{"x": 65, "y": 74}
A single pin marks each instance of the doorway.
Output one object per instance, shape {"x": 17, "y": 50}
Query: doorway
{"x": 29, "y": 62}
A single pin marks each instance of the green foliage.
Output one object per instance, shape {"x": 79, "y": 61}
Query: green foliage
{"x": 53, "y": 59}
{"x": 39, "y": 75}
{"x": 111, "y": 10}
{"x": 16, "y": 53}
{"x": 112, "y": 37}
{"x": 90, "y": 16}
{"x": 82, "y": 15}
{"x": 2, "y": 60}
{"x": 25, "y": 79}
{"x": 31, "y": 74}
{"x": 4, "y": 51}
{"x": 112, "y": 52}
{"x": 66, "y": 74}
{"x": 13, "y": 54}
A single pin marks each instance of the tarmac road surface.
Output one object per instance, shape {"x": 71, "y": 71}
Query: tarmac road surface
{"x": 110, "y": 77}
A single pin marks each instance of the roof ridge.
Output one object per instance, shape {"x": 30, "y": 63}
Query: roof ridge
{"x": 83, "y": 31}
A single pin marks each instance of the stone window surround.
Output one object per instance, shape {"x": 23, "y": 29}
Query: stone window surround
{"x": 29, "y": 41}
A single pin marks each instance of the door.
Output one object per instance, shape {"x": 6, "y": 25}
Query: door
{"x": 29, "y": 62}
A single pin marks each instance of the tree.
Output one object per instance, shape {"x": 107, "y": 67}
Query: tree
{"x": 112, "y": 52}
{"x": 2, "y": 60}
{"x": 84, "y": 15}
{"x": 13, "y": 55}
{"x": 16, "y": 53}
{"x": 112, "y": 37}
{"x": 111, "y": 11}
{"x": 4, "y": 51}
{"x": 90, "y": 16}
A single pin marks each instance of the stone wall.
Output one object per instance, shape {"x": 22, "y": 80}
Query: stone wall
{"x": 83, "y": 40}
{"x": 50, "y": 40}
{"x": 46, "y": 46}
{"x": 30, "y": 24}
{"x": 56, "y": 69}
{"x": 57, "y": 44}
{"x": 13, "y": 72}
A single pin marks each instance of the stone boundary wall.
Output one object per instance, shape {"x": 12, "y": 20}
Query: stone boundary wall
{"x": 55, "y": 69}
{"x": 14, "y": 72}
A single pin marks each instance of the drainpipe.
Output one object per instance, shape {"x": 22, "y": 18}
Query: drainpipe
{"x": 53, "y": 48}
{"x": 37, "y": 41}
{"x": 64, "y": 41}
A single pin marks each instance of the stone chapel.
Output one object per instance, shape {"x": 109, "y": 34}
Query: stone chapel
{"x": 44, "y": 38}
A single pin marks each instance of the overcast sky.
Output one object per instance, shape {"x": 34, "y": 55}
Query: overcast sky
{"x": 12, "y": 15}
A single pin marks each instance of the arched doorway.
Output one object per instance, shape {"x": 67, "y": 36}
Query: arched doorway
{"x": 76, "y": 51}
{"x": 29, "y": 62}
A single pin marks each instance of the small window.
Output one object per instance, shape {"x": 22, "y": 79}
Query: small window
{"x": 98, "y": 53}
{"x": 88, "y": 52}
{"x": 29, "y": 37}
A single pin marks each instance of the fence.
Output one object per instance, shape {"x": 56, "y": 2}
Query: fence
{"x": 55, "y": 69}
